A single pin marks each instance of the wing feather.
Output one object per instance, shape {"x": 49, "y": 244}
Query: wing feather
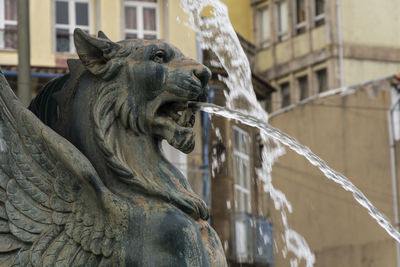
{"x": 10, "y": 243}
{"x": 81, "y": 258}
{"x": 3, "y": 177}
{"x": 60, "y": 218}
{"x": 7, "y": 259}
{"x": 22, "y": 234}
{"x": 54, "y": 209}
{"x": 4, "y": 227}
{"x": 26, "y": 205}
{"x": 20, "y": 175}
{"x": 3, "y": 213}
{"x": 40, "y": 245}
{"x": 66, "y": 255}
{"x": 50, "y": 255}
{"x": 3, "y": 196}
{"x": 57, "y": 204}
{"x": 24, "y": 222}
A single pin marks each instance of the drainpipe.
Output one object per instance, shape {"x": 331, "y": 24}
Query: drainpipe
{"x": 166, "y": 18}
{"x": 393, "y": 172}
{"x": 340, "y": 42}
{"x": 24, "y": 61}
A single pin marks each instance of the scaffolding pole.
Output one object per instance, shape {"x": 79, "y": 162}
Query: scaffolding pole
{"x": 24, "y": 64}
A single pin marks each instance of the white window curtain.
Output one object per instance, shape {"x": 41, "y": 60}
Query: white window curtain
{"x": 141, "y": 19}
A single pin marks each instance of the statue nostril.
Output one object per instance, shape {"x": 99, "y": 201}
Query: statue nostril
{"x": 203, "y": 74}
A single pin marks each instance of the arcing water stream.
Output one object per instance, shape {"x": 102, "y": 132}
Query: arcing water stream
{"x": 217, "y": 34}
{"x": 293, "y": 144}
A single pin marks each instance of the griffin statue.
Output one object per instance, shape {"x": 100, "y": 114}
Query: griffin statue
{"x": 83, "y": 181}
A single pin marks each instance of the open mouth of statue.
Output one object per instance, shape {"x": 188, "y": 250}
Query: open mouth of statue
{"x": 174, "y": 122}
{"x": 179, "y": 112}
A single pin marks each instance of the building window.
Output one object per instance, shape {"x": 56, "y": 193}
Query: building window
{"x": 285, "y": 94}
{"x": 300, "y": 16}
{"x": 241, "y": 154}
{"x": 69, "y": 15}
{"x": 264, "y": 254}
{"x": 264, "y": 25}
{"x": 322, "y": 80}
{"x": 8, "y": 24}
{"x": 244, "y": 238}
{"x": 141, "y": 19}
{"x": 303, "y": 87}
{"x": 282, "y": 23}
{"x": 268, "y": 103}
{"x": 319, "y": 13}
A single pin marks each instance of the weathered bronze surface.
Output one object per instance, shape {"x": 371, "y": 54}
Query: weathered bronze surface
{"x": 92, "y": 188}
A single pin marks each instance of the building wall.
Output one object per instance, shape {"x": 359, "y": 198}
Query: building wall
{"x": 241, "y": 16}
{"x": 350, "y": 132}
{"x": 370, "y": 22}
{"x": 356, "y": 71}
{"x": 363, "y": 37}
{"x": 106, "y": 15}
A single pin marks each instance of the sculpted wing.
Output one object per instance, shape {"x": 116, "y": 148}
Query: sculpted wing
{"x": 54, "y": 209}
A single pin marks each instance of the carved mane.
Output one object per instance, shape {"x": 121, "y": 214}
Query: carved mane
{"x": 110, "y": 104}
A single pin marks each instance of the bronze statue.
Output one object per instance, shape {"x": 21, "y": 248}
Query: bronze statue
{"x": 83, "y": 181}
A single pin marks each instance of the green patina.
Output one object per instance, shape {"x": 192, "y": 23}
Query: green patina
{"x": 93, "y": 188}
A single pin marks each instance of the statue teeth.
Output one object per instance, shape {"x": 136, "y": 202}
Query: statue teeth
{"x": 192, "y": 120}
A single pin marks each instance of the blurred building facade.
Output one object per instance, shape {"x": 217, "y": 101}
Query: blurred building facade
{"x": 240, "y": 210}
{"x": 356, "y": 131}
{"x": 306, "y": 49}
{"x": 302, "y": 50}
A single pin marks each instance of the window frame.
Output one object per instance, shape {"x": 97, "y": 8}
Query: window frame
{"x": 140, "y": 32}
{"x": 71, "y": 24}
{"x": 281, "y": 85}
{"x": 316, "y": 72}
{"x": 319, "y": 19}
{"x": 266, "y": 42}
{"x": 280, "y": 35}
{"x": 302, "y": 26}
{"x": 242, "y": 156}
{"x": 3, "y": 23}
{"x": 299, "y": 79}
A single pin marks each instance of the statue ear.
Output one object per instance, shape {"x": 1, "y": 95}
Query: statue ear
{"x": 98, "y": 55}
{"x": 102, "y": 35}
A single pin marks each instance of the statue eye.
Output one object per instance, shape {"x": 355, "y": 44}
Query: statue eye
{"x": 159, "y": 56}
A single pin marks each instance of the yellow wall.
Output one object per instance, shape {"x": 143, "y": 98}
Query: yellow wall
{"x": 301, "y": 45}
{"x": 373, "y": 23}
{"x": 110, "y": 19}
{"x": 41, "y": 33}
{"x": 8, "y": 58}
{"x": 356, "y": 71}
{"x": 283, "y": 51}
{"x": 319, "y": 38}
{"x": 179, "y": 34}
{"x": 264, "y": 60}
{"x": 110, "y": 12}
{"x": 240, "y": 14}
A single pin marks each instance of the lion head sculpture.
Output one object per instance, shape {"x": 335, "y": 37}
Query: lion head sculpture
{"x": 120, "y": 100}
{"x": 155, "y": 81}
{"x": 94, "y": 189}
